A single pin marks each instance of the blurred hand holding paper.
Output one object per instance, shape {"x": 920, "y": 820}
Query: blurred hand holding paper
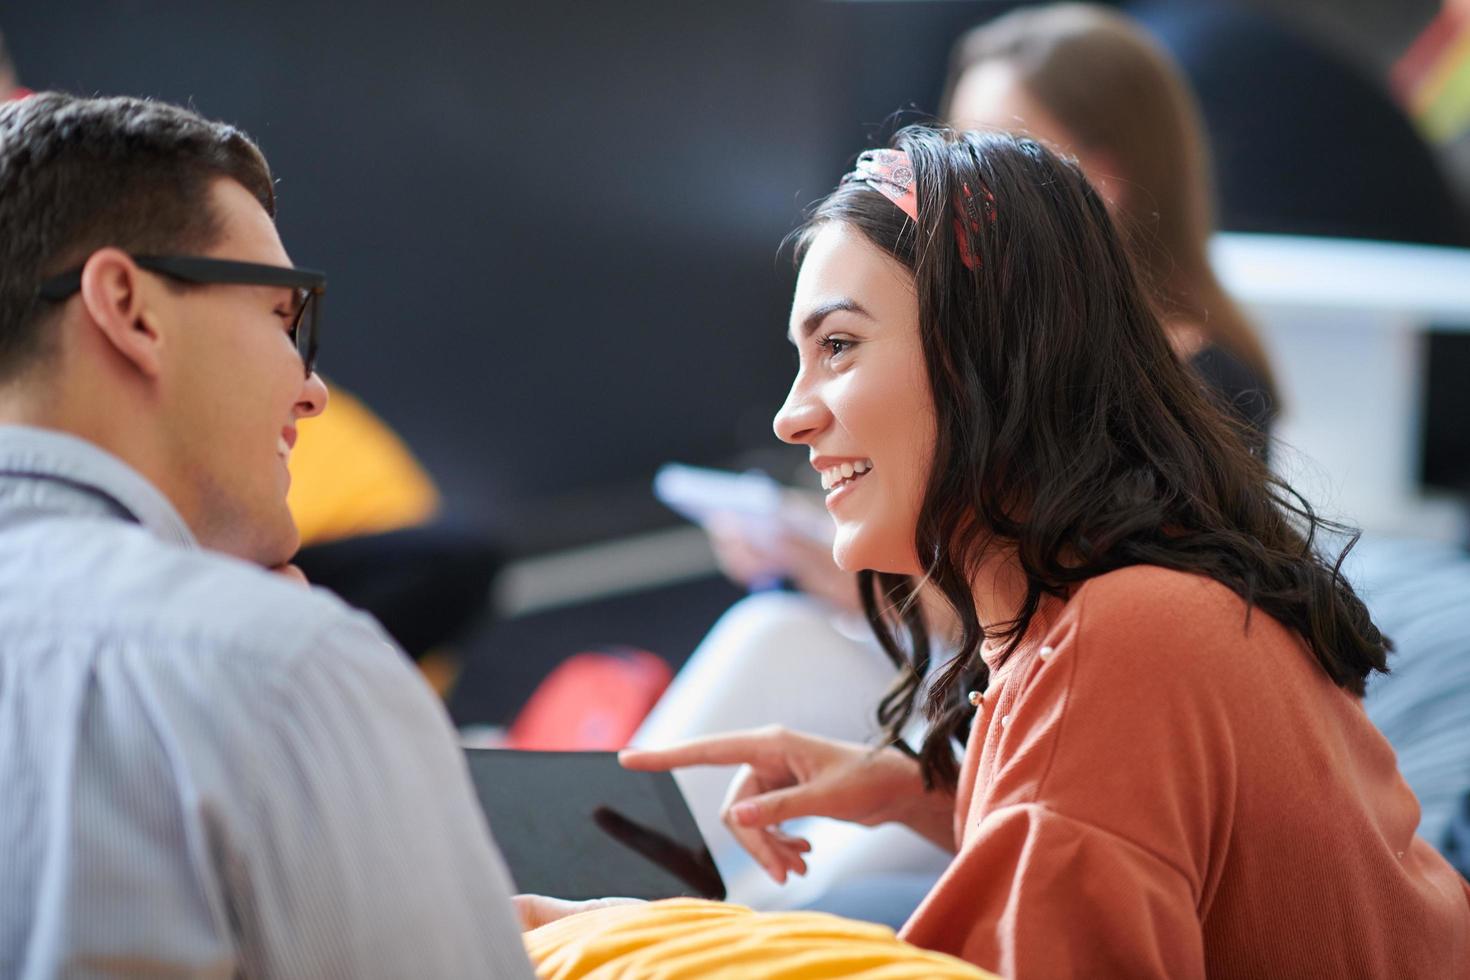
{"x": 763, "y": 509}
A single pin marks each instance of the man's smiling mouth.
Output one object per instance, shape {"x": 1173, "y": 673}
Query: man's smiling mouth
{"x": 285, "y": 442}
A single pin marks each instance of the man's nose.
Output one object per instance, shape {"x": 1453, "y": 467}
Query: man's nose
{"x": 313, "y": 400}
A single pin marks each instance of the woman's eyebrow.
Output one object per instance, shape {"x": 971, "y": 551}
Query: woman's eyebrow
{"x": 815, "y": 317}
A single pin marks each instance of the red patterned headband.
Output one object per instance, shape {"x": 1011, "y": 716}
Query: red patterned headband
{"x": 890, "y": 173}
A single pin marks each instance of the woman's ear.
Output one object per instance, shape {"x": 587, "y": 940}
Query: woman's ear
{"x": 118, "y": 299}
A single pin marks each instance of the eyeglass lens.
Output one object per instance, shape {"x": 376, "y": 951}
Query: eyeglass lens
{"x": 304, "y": 330}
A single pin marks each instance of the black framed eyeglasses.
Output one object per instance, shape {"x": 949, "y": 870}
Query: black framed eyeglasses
{"x": 308, "y": 284}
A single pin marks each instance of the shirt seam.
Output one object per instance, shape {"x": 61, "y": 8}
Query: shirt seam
{"x": 1062, "y": 726}
{"x": 278, "y": 690}
{"x": 186, "y": 794}
{"x": 286, "y": 665}
{"x": 1105, "y": 832}
{"x": 1078, "y": 632}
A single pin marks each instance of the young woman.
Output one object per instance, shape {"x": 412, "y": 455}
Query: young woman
{"x": 1167, "y": 770}
{"x": 1088, "y": 80}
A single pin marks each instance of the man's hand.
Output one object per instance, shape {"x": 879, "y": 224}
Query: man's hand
{"x": 787, "y": 774}
{"x": 538, "y": 910}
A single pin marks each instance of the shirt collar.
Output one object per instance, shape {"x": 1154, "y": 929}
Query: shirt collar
{"x": 1048, "y": 611}
{"x": 88, "y": 476}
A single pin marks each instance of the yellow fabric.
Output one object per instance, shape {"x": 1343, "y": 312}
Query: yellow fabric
{"x": 690, "y": 938}
{"x": 350, "y": 475}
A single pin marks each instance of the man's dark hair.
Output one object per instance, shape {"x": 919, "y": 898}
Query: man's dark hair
{"x": 80, "y": 174}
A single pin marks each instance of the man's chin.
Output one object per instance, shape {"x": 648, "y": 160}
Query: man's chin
{"x": 256, "y": 527}
{"x": 285, "y": 549}
{"x": 271, "y": 547}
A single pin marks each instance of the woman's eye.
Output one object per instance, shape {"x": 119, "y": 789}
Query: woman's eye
{"x": 834, "y": 346}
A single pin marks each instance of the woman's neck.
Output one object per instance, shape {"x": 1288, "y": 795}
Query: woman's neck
{"x": 999, "y": 590}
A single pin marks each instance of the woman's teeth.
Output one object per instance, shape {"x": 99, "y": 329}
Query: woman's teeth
{"x": 836, "y": 476}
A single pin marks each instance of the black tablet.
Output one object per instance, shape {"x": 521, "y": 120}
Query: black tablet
{"x": 578, "y": 825}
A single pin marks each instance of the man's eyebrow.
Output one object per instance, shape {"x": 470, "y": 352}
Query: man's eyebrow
{"x": 815, "y": 317}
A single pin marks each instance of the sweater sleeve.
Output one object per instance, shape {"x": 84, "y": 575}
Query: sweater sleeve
{"x": 1046, "y": 895}
{"x": 1106, "y": 784}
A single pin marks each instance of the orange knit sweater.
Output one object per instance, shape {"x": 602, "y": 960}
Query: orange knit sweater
{"x": 1152, "y": 789}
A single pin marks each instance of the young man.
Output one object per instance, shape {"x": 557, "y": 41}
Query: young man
{"x": 207, "y": 768}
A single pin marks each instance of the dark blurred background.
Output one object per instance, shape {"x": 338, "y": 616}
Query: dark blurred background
{"x": 552, "y": 229}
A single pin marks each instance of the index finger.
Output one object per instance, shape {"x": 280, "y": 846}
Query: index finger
{"x": 733, "y": 749}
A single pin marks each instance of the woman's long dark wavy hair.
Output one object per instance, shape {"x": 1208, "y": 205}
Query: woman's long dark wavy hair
{"x": 1067, "y": 432}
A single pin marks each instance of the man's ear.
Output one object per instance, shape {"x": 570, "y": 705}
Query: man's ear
{"x": 115, "y": 294}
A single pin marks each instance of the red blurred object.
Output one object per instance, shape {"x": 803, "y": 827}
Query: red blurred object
{"x": 591, "y": 701}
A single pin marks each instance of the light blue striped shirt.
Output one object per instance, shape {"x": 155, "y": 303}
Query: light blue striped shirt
{"x": 1419, "y": 594}
{"x": 207, "y": 770}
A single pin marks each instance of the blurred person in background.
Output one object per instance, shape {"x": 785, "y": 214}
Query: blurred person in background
{"x": 1089, "y": 81}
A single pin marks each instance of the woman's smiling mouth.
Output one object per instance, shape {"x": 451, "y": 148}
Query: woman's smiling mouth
{"x": 838, "y": 480}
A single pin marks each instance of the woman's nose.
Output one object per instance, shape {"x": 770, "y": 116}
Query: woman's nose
{"x": 801, "y": 418}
